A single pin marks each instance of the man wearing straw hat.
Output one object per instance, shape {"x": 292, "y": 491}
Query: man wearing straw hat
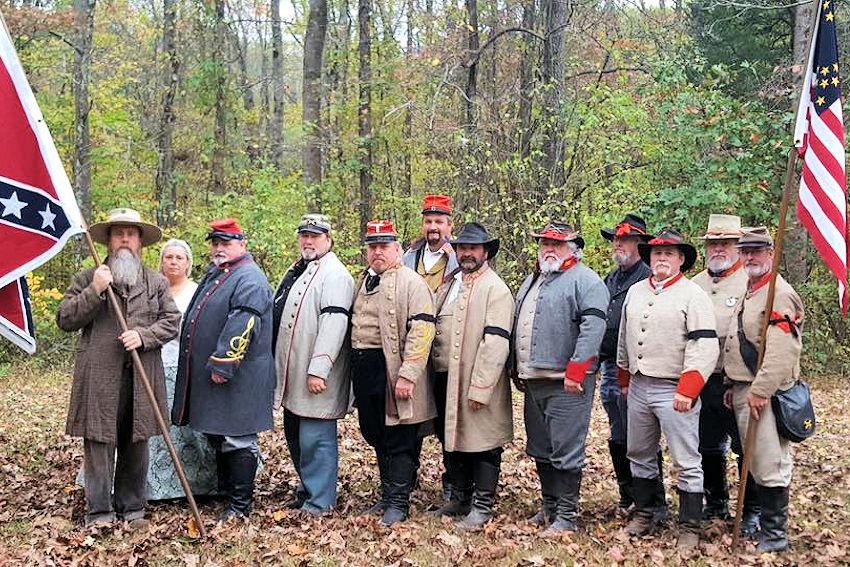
{"x": 752, "y": 387}
{"x": 559, "y": 321}
{"x": 108, "y": 406}
{"x": 226, "y": 378}
{"x": 666, "y": 350}
{"x": 725, "y": 282}
{"x": 474, "y": 315}
{"x": 392, "y": 327}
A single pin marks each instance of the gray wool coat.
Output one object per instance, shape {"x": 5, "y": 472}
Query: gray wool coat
{"x": 100, "y": 358}
{"x": 227, "y": 329}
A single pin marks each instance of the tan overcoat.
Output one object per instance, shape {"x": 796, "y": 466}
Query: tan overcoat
{"x": 473, "y": 335}
{"x": 406, "y": 317}
{"x": 100, "y": 358}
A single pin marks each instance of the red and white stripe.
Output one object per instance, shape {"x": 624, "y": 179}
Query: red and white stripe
{"x": 822, "y": 202}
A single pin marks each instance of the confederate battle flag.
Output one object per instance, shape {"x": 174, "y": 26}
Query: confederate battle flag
{"x": 38, "y": 211}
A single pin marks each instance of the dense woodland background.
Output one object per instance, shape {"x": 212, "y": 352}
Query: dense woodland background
{"x": 583, "y": 110}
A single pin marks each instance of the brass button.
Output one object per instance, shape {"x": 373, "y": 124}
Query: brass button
{"x": 455, "y": 357}
{"x": 457, "y": 344}
{"x": 439, "y": 332}
{"x": 392, "y": 311}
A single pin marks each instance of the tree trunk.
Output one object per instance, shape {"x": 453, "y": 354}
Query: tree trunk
{"x": 408, "y": 112}
{"x": 553, "y": 72}
{"x": 314, "y": 48}
{"x": 364, "y": 121}
{"x": 472, "y": 44}
{"x": 240, "y": 44}
{"x": 276, "y": 123}
{"x": 166, "y": 188}
{"x": 218, "y": 184}
{"x": 795, "y": 252}
{"x": 84, "y": 23}
{"x": 526, "y": 77}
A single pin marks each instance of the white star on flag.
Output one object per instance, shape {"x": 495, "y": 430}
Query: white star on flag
{"x": 12, "y": 206}
{"x": 47, "y": 217}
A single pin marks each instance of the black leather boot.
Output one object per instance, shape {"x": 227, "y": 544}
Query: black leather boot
{"x": 568, "y": 485}
{"x": 623, "y": 472}
{"x": 752, "y": 510}
{"x": 690, "y": 520}
{"x": 716, "y": 491}
{"x": 485, "y": 476}
{"x": 222, "y": 473}
{"x": 774, "y": 519}
{"x": 643, "y": 519}
{"x": 399, "y": 485}
{"x": 242, "y": 464}
{"x": 457, "y": 486}
{"x": 380, "y": 506}
{"x": 549, "y": 495}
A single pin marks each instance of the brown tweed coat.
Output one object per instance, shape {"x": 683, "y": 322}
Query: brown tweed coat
{"x": 100, "y": 358}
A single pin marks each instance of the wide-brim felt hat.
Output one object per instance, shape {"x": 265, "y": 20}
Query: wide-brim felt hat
{"x": 631, "y": 225}
{"x": 669, "y": 237}
{"x": 561, "y": 232}
{"x": 475, "y": 233}
{"x": 125, "y": 216}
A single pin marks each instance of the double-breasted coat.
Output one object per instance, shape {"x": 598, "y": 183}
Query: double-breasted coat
{"x": 473, "y": 338}
{"x": 406, "y": 319}
{"x": 227, "y": 329}
{"x": 101, "y": 357}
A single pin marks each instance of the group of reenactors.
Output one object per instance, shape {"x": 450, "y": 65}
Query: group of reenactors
{"x": 430, "y": 339}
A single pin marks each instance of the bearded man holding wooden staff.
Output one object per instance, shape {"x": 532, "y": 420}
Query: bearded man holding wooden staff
{"x": 108, "y": 407}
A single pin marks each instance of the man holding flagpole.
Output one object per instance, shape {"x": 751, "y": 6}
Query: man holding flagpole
{"x": 752, "y": 387}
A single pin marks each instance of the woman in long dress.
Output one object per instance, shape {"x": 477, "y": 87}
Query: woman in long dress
{"x": 196, "y": 455}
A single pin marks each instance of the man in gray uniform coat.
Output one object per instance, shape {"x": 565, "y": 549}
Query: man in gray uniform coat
{"x": 225, "y": 378}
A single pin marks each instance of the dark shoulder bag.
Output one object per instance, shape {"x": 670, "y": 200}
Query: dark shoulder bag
{"x": 792, "y": 408}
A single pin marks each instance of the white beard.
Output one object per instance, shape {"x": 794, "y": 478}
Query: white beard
{"x": 549, "y": 266}
{"x": 720, "y": 265}
{"x": 757, "y": 271}
{"x": 125, "y": 267}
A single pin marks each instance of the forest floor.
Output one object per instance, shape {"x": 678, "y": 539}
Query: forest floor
{"x": 41, "y": 509}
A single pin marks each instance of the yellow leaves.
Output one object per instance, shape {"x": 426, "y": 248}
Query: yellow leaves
{"x": 435, "y": 61}
{"x": 192, "y": 529}
{"x": 296, "y": 549}
{"x": 278, "y": 515}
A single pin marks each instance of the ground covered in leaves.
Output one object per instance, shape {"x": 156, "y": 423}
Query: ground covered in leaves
{"x": 41, "y": 509}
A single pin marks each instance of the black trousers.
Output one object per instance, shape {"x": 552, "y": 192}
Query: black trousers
{"x": 460, "y": 466}
{"x": 369, "y": 380}
{"x": 717, "y": 425}
{"x": 440, "y": 384}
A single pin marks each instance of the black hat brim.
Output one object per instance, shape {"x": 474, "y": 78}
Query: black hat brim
{"x": 224, "y": 236}
{"x": 609, "y": 233}
{"x": 381, "y": 238}
{"x": 689, "y": 252}
{"x": 491, "y": 245}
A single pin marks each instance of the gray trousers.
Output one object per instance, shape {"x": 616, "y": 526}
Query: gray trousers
{"x": 651, "y": 413}
{"x": 117, "y": 485}
{"x": 556, "y": 423}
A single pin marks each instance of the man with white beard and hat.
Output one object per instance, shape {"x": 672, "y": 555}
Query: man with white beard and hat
{"x": 559, "y": 322}
{"x": 108, "y": 408}
{"x": 725, "y": 282}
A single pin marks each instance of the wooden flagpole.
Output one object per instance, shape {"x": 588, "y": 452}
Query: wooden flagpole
{"x": 752, "y": 424}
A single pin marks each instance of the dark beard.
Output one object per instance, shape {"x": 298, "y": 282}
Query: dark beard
{"x": 125, "y": 267}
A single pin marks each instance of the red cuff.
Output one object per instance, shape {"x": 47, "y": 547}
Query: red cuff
{"x": 576, "y": 371}
{"x": 691, "y": 383}
{"x": 623, "y": 377}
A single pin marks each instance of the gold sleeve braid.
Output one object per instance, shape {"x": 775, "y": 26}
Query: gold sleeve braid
{"x": 238, "y": 345}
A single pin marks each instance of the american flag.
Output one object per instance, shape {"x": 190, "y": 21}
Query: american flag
{"x": 38, "y": 210}
{"x": 819, "y": 138}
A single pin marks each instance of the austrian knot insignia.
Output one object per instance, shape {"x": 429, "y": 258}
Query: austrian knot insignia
{"x": 807, "y": 424}
{"x": 239, "y": 343}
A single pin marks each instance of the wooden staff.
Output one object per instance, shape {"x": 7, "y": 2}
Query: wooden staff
{"x": 752, "y": 424}
{"x": 140, "y": 370}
